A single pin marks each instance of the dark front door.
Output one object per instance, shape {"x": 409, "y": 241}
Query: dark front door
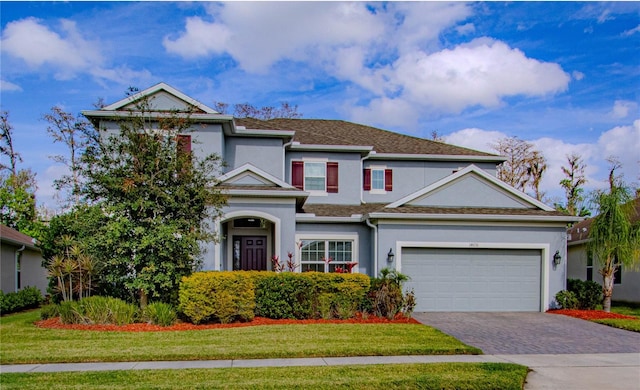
{"x": 253, "y": 253}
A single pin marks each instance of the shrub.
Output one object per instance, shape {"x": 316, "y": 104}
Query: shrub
{"x": 587, "y": 292}
{"x": 49, "y": 311}
{"x": 284, "y": 295}
{"x": 97, "y": 310}
{"x": 159, "y": 313}
{"x": 27, "y": 298}
{"x": 217, "y": 296}
{"x": 337, "y": 294}
{"x": 567, "y": 299}
{"x": 385, "y": 298}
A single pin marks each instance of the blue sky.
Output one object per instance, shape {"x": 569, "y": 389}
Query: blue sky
{"x": 562, "y": 75}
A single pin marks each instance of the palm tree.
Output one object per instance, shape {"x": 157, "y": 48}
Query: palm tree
{"x": 614, "y": 240}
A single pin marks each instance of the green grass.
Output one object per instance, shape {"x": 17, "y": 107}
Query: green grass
{"x": 392, "y": 376}
{"x": 22, "y": 342}
{"x": 628, "y": 310}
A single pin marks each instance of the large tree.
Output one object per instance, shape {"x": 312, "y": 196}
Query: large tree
{"x": 76, "y": 134}
{"x": 157, "y": 197}
{"x": 6, "y": 144}
{"x": 246, "y": 110}
{"x": 524, "y": 166}
{"x": 572, "y": 184}
{"x": 614, "y": 238}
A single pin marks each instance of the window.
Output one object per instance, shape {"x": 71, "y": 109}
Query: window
{"x": 617, "y": 276}
{"x": 377, "y": 179}
{"x": 589, "y": 268}
{"x": 316, "y": 176}
{"x": 325, "y": 255}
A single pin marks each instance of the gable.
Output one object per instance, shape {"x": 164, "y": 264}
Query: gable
{"x": 249, "y": 175}
{"x": 163, "y": 101}
{"x": 469, "y": 191}
{"x": 248, "y": 179}
{"x": 470, "y": 187}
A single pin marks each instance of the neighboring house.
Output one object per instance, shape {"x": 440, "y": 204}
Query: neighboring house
{"x": 626, "y": 285}
{"x": 21, "y": 262}
{"x": 353, "y": 193}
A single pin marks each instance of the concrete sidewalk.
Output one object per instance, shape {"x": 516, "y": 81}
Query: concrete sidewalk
{"x": 566, "y": 371}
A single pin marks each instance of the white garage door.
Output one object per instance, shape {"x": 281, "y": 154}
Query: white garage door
{"x": 460, "y": 279}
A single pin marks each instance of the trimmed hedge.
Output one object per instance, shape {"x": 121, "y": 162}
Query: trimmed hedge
{"x": 226, "y": 296}
{"x": 27, "y": 298}
{"x": 217, "y": 296}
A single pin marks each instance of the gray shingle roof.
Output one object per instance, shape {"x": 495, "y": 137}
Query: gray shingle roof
{"x": 329, "y": 210}
{"x": 339, "y": 132}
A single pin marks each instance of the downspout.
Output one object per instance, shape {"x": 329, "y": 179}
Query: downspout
{"x": 284, "y": 159}
{"x": 17, "y": 265}
{"x": 375, "y": 246}
{"x": 362, "y": 176}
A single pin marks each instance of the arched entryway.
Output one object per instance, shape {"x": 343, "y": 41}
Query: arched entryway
{"x": 249, "y": 240}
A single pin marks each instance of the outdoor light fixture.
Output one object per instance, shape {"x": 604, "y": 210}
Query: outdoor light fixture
{"x": 390, "y": 255}
{"x": 557, "y": 258}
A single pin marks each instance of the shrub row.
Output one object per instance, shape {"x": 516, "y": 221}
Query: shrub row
{"x": 109, "y": 310}
{"x": 580, "y": 294}
{"x": 230, "y": 296}
{"x": 27, "y": 298}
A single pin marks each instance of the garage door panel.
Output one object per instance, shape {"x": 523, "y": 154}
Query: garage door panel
{"x": 457, "y": 279}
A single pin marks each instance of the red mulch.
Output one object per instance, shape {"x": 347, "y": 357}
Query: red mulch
{"x": 592, "y": 314}
{"x": 54, "y": 323}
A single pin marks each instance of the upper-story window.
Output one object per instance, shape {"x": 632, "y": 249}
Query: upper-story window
{"x": 377, "y": 180}
{"x": 315, "y": 176}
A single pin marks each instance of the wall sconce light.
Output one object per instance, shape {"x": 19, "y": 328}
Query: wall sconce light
{"x": 390, "y": 255}
{"x": 557, "y": 259}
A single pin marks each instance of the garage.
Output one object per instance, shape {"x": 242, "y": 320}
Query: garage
{"x": 473, "y": 279}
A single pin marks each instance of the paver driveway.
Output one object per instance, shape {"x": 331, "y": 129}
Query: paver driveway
{"x": 532, "y": 333}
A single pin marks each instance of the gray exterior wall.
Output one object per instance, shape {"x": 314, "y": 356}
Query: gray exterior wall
{"x": 349, "y": 176}
{"x": 263, "y": 153}
{"x": 412, "y": 176}
{"x": 475, "y": 236}
{"x": 32, "y": 273}
{"x": 365, "y": 239}
{"x": 628, "y": 290}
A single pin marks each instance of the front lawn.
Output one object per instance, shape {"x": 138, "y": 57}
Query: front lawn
{"x": 627, "y": 324}
{"x": 392, "y": 376}
{"x": 22, "y": 342}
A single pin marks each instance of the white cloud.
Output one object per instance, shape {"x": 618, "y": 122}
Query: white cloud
{"x": 622, "y": 108}
{"x": 466, "y": 29}
{"x": 258, "y": 34}
{"x": 622, "y": 142}
{"x": 631, "y": 31}
{"x": 7, "y": 86}
{"x": 64, "y": 51}
{"x": 577, "y": 75}
{"x": 481, "y": 72}
{"x": 37, "y": 45}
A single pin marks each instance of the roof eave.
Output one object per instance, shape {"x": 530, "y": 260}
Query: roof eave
{"x": 304, "y": 217}
{"x": 436, "y": 157}
{"x": 330, "y": 148}
{"x": 475, "y": 217}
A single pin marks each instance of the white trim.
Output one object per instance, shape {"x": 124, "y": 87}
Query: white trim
{"x": 250, "y": 168}
{"x": 474, "y": 217}
{"x": 437, "y": 157}
{"x": 462, "y": 222}
{"x": 303, "y": 217}
{"x": 320, "y": 236}
{"x": 330, "y": 148}
{"x": 155, "y": 89}
{"x": 545, "y": 257}
{"x": 480, "y": 172}
{"x": 252, "y": 201}
{"x": 277, "y": 225}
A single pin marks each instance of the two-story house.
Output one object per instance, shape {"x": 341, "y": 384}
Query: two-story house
{"x": 334, "y": 190}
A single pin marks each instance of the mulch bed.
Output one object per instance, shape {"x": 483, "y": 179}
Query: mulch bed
{"x": 54, "y": 323}
{"x": 592, "y": 314}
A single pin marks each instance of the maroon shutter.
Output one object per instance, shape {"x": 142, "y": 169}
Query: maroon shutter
{"x": 388, "y": 180}
{"x": 332, "y": 177}
{"x": 184, "y": 143}
{"x": 297, "y": 174}
{"x": 366, "y": 180}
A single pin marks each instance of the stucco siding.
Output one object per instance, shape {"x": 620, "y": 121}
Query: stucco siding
{"x": 349, "y": 176}
{"x": 7, "y": 268}
{"x": 411, "y": 176}
{"x": 264, "y": 153}
{"x": 32, "y": 273}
